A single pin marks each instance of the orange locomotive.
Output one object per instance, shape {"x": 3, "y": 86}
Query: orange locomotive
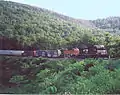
{"x": 73, "y": 52}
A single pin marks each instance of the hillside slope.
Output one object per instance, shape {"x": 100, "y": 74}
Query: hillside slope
{"x": 42, "y": 28}
{"x": 111, "y": 24}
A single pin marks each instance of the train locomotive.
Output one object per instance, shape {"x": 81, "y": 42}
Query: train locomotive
{"x": 71, "y": 53}
{"x": 94, "y": 51}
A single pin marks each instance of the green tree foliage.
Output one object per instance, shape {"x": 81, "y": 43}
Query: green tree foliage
{"x": 111, "y": 24}
{"x": 67, "y": 76}
{"x": 42, "y": 28}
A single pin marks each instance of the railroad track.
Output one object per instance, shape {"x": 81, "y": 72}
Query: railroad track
{"x": 57, "y": 58}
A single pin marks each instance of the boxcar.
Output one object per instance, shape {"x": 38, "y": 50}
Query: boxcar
{"x": 41, "y": 53}
{"x": 48, "y": 53}
{"x": 53, "y": 53}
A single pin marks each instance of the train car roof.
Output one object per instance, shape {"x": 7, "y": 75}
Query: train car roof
{"x": 99, "y": 46}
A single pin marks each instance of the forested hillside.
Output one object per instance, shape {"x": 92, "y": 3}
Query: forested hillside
{"x": 111, "y": 24}
{"x": 41, "y": 28}
{"x": 27, "y": 27}
{"x": 38, "y": 28}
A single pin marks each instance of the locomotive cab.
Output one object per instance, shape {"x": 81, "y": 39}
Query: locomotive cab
{"x": 101, "y": 50}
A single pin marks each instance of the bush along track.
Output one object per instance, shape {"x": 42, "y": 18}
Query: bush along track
{"x": 89, "y": 76}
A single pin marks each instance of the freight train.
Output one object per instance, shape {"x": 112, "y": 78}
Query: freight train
{"x": 84, "y": 52}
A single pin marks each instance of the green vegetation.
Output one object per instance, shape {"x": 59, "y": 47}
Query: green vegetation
{"x": 43, "y": 29}
{"x": 67, "y": 76}
{"x": 111, "y": 24}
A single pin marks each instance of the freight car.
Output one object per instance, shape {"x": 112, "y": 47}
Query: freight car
{"x": 41, "y": 53}
{"x": 94, "y": 51}
{"x": 48, "y": 53}
{"x": 53, "y": 53}
{"x": 11, "y": 52}
{"x": 29, "y": 53}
